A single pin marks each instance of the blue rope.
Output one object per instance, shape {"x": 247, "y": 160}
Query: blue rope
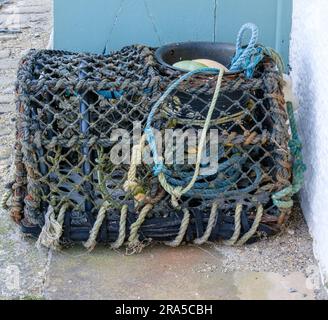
{"x": 111, "y": 94}
{"x": 210, "y": 187}
{"x": 247, "y": 59}
{"x": 229, "y": 168}
{"x": 159, "y": 166}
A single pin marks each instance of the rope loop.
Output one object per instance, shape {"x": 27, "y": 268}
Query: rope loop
{"x": 253, "y": 41}
{"x": 247, "y": 59}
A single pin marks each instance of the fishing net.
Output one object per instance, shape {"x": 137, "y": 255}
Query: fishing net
{"x": 86, "y": 169}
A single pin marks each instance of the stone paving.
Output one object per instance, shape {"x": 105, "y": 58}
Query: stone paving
{"x": 281, "y": 267}
{"x": 31, "y": 22}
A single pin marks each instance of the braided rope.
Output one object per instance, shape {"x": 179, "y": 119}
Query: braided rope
{"x": 244, "y": 54}
{"x": 236, "y": 234}
{"x": 252, "y": 230}
{"x": 92, "y": 241}
{"x": 247, "y": 59}
{"x": 210, "y": 225}
{"x": 122, "y": 229}
{"x": 133, "y": 241}
{"x": 182, "y": 231}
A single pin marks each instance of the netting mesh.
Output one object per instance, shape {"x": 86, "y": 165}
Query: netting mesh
{"x": 70, "y": 107}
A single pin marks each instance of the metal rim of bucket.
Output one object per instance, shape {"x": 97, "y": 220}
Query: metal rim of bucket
{"x": 206, "y": 51}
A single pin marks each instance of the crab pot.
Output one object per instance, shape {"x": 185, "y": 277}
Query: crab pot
{"x": 69, "y": 106}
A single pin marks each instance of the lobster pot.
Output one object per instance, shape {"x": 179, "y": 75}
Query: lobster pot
{"x": 82, "y": 119}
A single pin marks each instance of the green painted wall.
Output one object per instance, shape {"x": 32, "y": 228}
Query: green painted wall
{"x": 98, "y": 25}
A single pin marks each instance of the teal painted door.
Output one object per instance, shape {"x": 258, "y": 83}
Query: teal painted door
{"x": 104, "y": 25}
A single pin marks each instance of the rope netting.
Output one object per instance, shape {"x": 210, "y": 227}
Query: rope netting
{"x": 97, "y": 144}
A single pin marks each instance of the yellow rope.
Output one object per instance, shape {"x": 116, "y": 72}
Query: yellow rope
{"x": 235, "y": 236}
{"x": 53, "y": 228}
{"x": 92, "y": 241}
{"x": 131, "y": 183}
{"x": 252, "y": 230}
{"x": 234, "y": 239}
{"x": 122, "y": 229}
{"x": 134, "y": 242}
{"x": 183, "y": 229}
{"x": 177, "y": 192}
{"x": 210, "y": 225}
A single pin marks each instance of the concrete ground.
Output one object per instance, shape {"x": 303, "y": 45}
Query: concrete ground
{"x": 282, "y": 267}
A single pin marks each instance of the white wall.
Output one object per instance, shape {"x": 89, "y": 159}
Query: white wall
{"x": 309, "y": 62}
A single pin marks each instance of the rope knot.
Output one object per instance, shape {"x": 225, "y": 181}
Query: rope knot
{"x": 53, "y": 228}
{"x": 176, "y": 193}
{"x": 130, "y": 186}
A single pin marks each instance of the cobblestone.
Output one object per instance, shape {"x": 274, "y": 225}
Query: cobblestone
{"x": 31, "y": 17}
{"x": 4, "y": 53}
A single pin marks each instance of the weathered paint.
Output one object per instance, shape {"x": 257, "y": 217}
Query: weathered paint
{"x": 102, "y": 25}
